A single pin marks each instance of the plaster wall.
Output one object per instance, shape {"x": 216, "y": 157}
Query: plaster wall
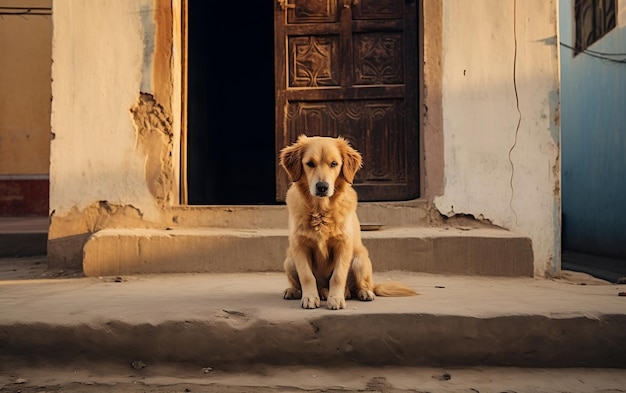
{"x": 500, "y": 100}
{"x": 96, "y": 79}
{"x": 594, "y": 141}
{"x": 113, "y": 141}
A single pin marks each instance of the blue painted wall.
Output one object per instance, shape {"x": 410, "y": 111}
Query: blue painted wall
{"x": 593, "y": 137}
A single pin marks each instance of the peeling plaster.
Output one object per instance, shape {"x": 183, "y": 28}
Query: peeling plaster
{"x": 154, "y": 140}
{"x": 100, "y": 215}
{"x": 112, "y": 155}
{"x": 68, "y": 233}
{"x": 458, "y": 220}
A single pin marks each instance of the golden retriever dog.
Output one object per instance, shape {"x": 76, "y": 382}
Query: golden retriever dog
{"x": 326, "y": 259}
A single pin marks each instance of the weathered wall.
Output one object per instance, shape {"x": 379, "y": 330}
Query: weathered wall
{"x": 112, "y": 119}
{"x": 501, "y": 119}
{"x": 490, "y": 137}
{"x": 25, "y": 60}
{"x": 594, "y": 141}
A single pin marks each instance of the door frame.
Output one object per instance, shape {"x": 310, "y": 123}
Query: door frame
{"x": 430, "y": 173}
{"x": 183, "y": 40}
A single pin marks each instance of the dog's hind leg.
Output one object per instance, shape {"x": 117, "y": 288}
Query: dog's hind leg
{"x": 294, "y": 291}
{"x": 362, "y": 271}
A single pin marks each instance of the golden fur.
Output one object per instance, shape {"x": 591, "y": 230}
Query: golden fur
{"x": 326, "y": 259}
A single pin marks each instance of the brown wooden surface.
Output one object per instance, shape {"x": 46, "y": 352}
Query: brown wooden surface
{"x": 349, "y": 68}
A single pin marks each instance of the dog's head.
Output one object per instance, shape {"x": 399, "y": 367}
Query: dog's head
{"x": 322, "y": 163}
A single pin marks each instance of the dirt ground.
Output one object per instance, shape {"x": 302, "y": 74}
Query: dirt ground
{"x": 27, "y": 377}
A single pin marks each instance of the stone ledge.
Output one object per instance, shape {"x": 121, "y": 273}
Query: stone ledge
{"x": 219, "y": 250}
{"x": 234, "y": 320}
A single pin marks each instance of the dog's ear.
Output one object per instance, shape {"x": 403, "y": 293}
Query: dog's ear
{"x": 291, "y": 159}
{"x": 351, "y": 160}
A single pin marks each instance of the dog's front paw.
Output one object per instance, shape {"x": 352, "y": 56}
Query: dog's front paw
{"x": 310, "y": 301}
{"x": 292, "y": 293}
{"x": 366, "y": 295}
{"x": 336, "y": 302}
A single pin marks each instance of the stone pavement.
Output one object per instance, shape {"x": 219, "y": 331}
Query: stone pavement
{"x": 233, "y": 320}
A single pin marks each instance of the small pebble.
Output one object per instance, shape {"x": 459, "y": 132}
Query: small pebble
{"x": 138, "y": 364}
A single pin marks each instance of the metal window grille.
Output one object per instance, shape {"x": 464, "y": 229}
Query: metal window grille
{"x": 594, "y": 18}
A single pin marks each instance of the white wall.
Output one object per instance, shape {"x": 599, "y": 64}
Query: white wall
{"x": 502, "y": 164}
{"x": 98, "y": 49}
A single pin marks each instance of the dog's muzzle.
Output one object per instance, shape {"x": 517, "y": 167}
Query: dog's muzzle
{"x": 321, "y": 189}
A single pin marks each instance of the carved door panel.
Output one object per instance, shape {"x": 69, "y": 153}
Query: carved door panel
{"x": 349, "y": 68}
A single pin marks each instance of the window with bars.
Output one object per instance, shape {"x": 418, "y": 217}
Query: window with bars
{"x": 594, "y": 18}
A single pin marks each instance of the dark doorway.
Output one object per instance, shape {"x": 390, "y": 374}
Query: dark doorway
{"x": 230, "y": 135}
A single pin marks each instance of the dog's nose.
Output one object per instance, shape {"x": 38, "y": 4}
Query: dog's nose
{"x": 321, "y": 188}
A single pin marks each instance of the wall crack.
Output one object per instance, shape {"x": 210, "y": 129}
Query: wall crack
{"x": 517, "y": 107}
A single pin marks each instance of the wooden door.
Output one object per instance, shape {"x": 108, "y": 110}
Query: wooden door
{"x": 349, "y": 68}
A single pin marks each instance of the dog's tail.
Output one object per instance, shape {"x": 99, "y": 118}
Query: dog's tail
{"x": 393, "y": 289}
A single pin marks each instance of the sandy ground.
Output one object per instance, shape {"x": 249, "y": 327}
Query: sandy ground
{"x": 35, "y": 267}
{"x": 105, "y": 378}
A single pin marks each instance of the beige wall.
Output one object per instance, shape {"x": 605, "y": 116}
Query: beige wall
{"x": 116, "y": 118}
{"x": 25, "y": 59}
{"x": 107, "y": 168}
{"x": 501, "y": 130}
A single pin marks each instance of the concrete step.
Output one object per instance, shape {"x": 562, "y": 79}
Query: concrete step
{"x": 236, "y": 320}
{"x": 477, "y": 251}
{"x": 23, "y": 236}
{"x": 408, "y": 213}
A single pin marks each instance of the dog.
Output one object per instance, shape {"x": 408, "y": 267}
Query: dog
{"x": 326, "y": 259}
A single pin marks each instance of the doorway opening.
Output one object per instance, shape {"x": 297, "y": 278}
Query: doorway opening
{"x": 241, "y": 107}
{"x": 230, "y": 104}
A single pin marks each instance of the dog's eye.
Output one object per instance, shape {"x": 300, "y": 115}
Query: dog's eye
{"x": 310, "y": 164}
{"x": 333, "y": 164}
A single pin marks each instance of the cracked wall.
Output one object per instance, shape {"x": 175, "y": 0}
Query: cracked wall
{"x": 69, "y": 232}
{"x": 500, "y": 116}
{"x": 112, "y": 161}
